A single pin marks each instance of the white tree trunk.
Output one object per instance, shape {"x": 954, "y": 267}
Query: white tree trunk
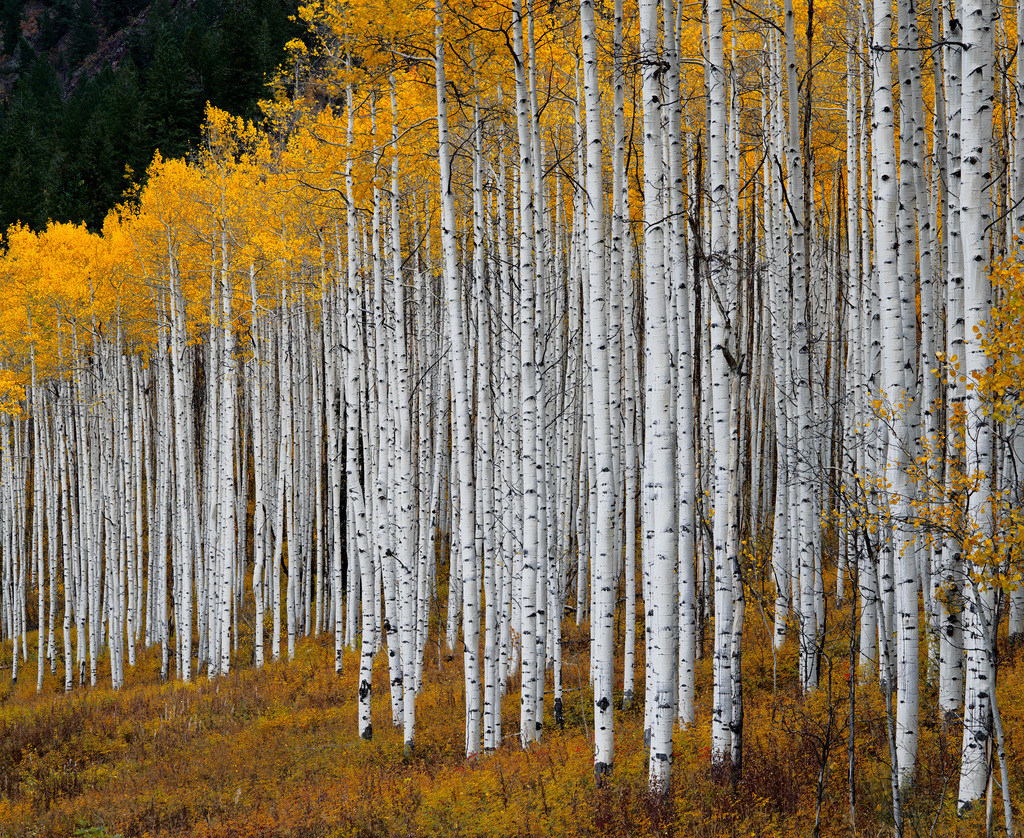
{"x": 975, "y": 218}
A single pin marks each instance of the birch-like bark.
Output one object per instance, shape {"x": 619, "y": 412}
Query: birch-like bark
{"x": 685, "y": 465}
{"x": 806, "y": 559}
{"x": 975, "y": 218}
{"x": 260, "y": 500}
{"x": 896, "y": 284}
{"x": 721, "y": 379}
{"x": 532, "y": 669}
{"x": 781, "y": 351}
{"x": 405, "y": 558}
{"x": 603, "y": 561}
{"x": 951, "y": 641}
{"x": 226, "y": 545}
{"x": 356, "y": 503}
{"x": 462, "y": 426}
{"x": 659, "y": 524}
{"x": 623, "y": 345}
{"x": 184, "y": 471}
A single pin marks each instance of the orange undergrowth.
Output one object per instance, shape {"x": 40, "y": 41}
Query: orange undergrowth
{"x": 274, "y": 753}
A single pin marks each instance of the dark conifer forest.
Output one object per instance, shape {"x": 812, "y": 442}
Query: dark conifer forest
{"x": 90, "y": 90}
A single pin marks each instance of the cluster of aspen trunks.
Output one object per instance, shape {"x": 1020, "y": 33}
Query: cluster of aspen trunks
{"x": 502, "y": 381}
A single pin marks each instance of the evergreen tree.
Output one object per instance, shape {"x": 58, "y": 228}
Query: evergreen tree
{"x": 10, "y": 21}
{"x": 85, "y": 36}
{"x": 172, "y": 101}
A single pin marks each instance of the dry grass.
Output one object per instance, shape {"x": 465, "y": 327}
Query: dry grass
{"x": 274, "y": 753}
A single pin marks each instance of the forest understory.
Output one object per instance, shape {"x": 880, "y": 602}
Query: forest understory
{"x": 274, "y": 752}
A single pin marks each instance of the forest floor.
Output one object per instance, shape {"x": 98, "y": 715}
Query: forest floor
{"x": 274, "y": 752}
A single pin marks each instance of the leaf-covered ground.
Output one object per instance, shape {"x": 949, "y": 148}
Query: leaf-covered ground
{"x": 274, "y": 753}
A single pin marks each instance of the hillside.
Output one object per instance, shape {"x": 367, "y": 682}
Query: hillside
{"x": 88, "y": 92}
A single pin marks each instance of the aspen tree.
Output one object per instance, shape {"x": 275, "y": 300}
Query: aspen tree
{"x": 82, "y": 592}
{"x": 328, "y": 316}
{"x": 138, "y": 458}
{"x": 975, "y": 215}
{"x": 678, "y": 263}
{"x": 37, "y": 505}
{"x": 780, "y": 337}
{"x": 532, "y": 669}
{"x": 430, "y": 452}
{"x": 858, "y": 277}
{"x": 184, "y": 471}
{"x": 285, "y": 507}
{"x": 405, "y": 541}
{"x": 621, "y": 289}
{"x": 806, "y": 559}
{"x": 52, "y": 528}
{"x": 720, "y": 291}
{"x": 353, "y": 479}
{"x": 870, "y": 353}
{"x": 510, "y": 427}
{"x": 603, "y": 573}
{"x": 900, "y": 389}
{"x": 207, "y": 588}
{"x": 484, "y": 468}
{"x": 1017, "y": 182}
{"x": 357, "y": 511}
{"x": 260, "y": 501}
{"x": 64, "y": 478}
{"x": 161, "y": 534}
{"x": 241, "y": 505}
{"x": 924, "y": 429}
{"x": 226, "y": 525}
{"x": 462, "y": 428}
{"x": 886, "y": 245}
{"x": 382, "y": 444}
{"x": 659, "y": 529}
{"x": 950, "y": 571}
